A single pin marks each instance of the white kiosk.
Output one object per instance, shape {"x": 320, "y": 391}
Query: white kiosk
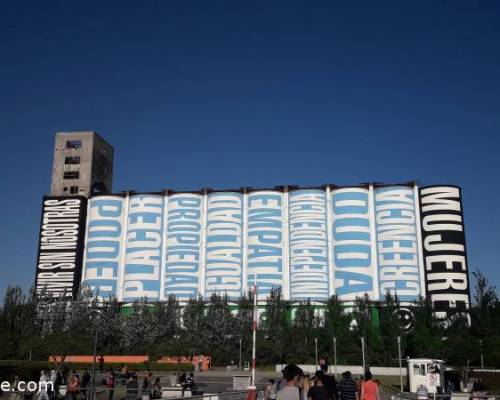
{"x": 425, "y": 371}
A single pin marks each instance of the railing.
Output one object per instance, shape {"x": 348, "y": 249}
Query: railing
{"x": 452, "y": 396}
{"x": 233, "y": 395}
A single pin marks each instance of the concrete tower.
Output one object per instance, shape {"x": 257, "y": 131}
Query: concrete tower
{"x": 83, "y": 165}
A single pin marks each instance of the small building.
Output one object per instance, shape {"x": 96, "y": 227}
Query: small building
{"x": 83, "y": 165}
{"x": 425, "y": 371}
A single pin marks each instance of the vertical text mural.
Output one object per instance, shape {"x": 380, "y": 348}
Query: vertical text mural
{"x": 444, "y": 249}
{"x": 357, "y": 240}
{"x": 308, "y": 245}
{"x": 353, "y": 262}
{"x": 397, "y": 243}
{"x": 105, "y": 226}
{"x": 224, "y": 244}
{"x": 183, "y": 245}
{"x": 143, "y": 248}
{"x": 60, "y": 246}
{"x": 265, "y": 241}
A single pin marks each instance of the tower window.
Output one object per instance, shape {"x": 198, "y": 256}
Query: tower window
{"x": 71, "y": 175}
{"x": 73, "y": 144}
{"x": 73, "y": 189}
{"x": 72, "y": 160}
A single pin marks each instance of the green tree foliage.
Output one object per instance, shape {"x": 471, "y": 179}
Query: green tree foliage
{"x": 286, "y": 333}
{"x": 275, "y": 336}
{"x": 426, "y": 337}
{"x": 193, "y": 321}
{"x": 303, "y": 333}
{"x": 337, "y": 325}
{"x": 243, "y": 327}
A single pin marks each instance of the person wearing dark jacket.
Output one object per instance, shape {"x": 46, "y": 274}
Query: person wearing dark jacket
{"x": 330, "y": 381}
{"x": 84, "y": 387}
{"x": 348, "y": 389}
{"x": 319, "y": 390}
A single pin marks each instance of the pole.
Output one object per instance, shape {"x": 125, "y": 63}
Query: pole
{"x": 252, "y": 389}
{"x": 363, "y": 351}
{"x": 254, "y": 328}
{"x": 481, "y": 349}
{"x": 316, "y": 351}
{"x": 400, "y": 366}
{"x": 239, "y": 364}
{"x": 335, "y": 355}
{"x": 92, "y": 384}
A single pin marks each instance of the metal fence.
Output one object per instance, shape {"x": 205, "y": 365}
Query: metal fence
{"x": 232, "y": 395}
{"x": 102, "y": 392}
{"x": 452, "y": 396}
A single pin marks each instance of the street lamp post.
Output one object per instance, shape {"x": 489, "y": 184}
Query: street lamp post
{"x": 254, "y": 334}
{"x": 252, "y": 389}
{"x": 92, "y": 384}
{"x": 400, "y": 366}
{"x": 316, "y": 351}
{"x": 335, "y": 355}
{"x": 481, "y": 350}
{"x": 239, "y": 364}
{"x": 363, "y": 351}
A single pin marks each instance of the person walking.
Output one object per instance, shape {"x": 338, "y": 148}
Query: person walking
{"x": 101, "y": 364}
{"x": 182, "y": 378}
{"x": 85, "y": 383}
{"x": 369, "y": 389}
{"x": 132, "y": 388}
{"x": 281, "y": 383}
{"x": 65, "y": 374}
{"x": 319, "y": 391}
{"x": 305, "y": 384}
{"x": 270, "y": 392}
{"x": 110, "y": 384}
{"x": 156, "y": 393}
{"x": 15, "y": 393}
{"x": 73, "y": 386}
{"x": 291, "y": 375}
{"x": 422, "y": 392}
{"x": 348, "y": 390}
{"x": 190, "y": 384}
{"x": 43, "y": 386}
{"x": 147, "y": 384}
{"x": 330, "y": 381}
{"x": 55, "y": 383}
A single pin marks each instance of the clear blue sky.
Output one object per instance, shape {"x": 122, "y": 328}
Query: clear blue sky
{"x": 228, "y": 93}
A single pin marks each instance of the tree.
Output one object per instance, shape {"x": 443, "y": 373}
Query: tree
{"x": 243, "y": 325}
{"x": 193, "y": 322}
{"x": 136, "y": 332}
{"x": 276, "y": 328}
{"x": 367, "y": 328}
{"x": 337, "y": 323}
{"x": 111, "y": 327}
{"x": 485, "y": 312}
{"x": 167, "y": 319}
{"x": 426, "y": 339}
{"x": 40, "y": 325}
{"x": 303, "y": 333}
{"x": 459, "y": 347}
{"x": 390, "y": 329}
{"x": 220, "y": 328}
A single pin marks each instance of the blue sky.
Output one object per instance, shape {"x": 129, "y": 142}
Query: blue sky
{"x": 228, "y": 94}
